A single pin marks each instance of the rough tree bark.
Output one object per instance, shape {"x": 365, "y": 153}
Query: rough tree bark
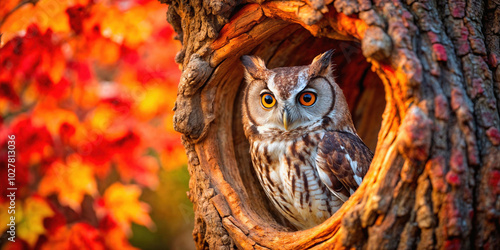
{"x": 435, "y": 179}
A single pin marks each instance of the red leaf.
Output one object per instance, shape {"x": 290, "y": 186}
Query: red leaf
{"x": 66, "y": 131}
{"x": 119, "y": 104}
{"x": 77, "y": 14}
{"x": 8, "y": 93}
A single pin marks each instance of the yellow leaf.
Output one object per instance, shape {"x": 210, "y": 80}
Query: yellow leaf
{"x": 154, "y": 100}
{"x": 33, "y": 212}
{"x": 70, "y": 181}
{"x": 122, "y": 202}
{"x": 29, "y": 216}
{"x": 4, "y": 216}
{"x": 101, "y": 118}
{"x": 52, "y": 14}
{"x": 127, "y": 27}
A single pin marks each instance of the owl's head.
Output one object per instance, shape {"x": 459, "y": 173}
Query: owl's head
{"x": 290, "y": 98}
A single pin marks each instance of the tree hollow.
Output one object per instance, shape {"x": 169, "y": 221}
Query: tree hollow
{"x": 295, "y": 46}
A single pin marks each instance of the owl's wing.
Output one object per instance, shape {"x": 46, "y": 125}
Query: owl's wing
{"x": 342, "y": 162}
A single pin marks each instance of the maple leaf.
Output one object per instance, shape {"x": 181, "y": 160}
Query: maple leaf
{"x": 47, "y": 14}
{"x": 59, "y": 122}
{"x": 84, "y": 236}
{"x": 114, "y": 235}
{"x": 4, "y": 215}
{"x": 66, "y": 131}
{"x": 121, "y": 202}
{"x": 120, "y": 105}
{"x": 77, "y": 14}
{"x": 142, "y": 169}
{"x": 17, "y": 245}
{"x": 70, "y": 181}
{"x": 77, "y": 236}
{"x": 22, "y": 56}
{"x": 37, "y": 146}
{"x": 53, "y": 223}
{"x": 105, "y": 50}
{"x": 32, "y": 213}
{"x": 35, "y": 139}
{"x": 7, "y": 92}
{"x": 82, "y": 70}
{"x": 29, "y": 215}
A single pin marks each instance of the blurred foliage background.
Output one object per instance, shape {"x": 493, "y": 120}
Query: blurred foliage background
{"x": 87, "y": 87}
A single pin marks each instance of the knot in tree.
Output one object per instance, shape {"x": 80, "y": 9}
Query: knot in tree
{"x": 422, "y": 82}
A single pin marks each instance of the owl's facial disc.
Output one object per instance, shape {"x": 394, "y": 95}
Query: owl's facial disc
{"x": 309, "y": 105}
{"x": 292, "y": 114}
{"x": 285, "y": 99}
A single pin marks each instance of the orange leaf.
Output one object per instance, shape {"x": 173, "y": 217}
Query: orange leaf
{"x": 113, "y": 234}
{"x": 173, "y": 159}
{"x": 77, "y": 236}
{"x": 46, "y": 14}
{"x": 70, "y": 181}
{"x": 122, "y": 203}
{"x": 54, "y": 117}
{"x": 105, "y": 50}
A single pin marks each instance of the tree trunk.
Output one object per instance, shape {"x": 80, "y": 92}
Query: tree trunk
{"x": 435, "y": 179}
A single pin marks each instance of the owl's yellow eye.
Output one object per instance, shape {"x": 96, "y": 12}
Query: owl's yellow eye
{"x": 268, "y": 100}
{"x": 307, "y": 98}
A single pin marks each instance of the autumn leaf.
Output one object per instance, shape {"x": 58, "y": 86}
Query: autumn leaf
{"x": 54, "y": 117}
{"x": 77, "y": 15}
{"x": 29, "y": 215}
{"x": 84, "y": 236}
{"x": 8, "y": 93}
{"x": 35, "y": 138}
{"x": 121, "y": 202}
{"x": 71, "y": 181}
{"x": 173, "y": 158}
{"x": 76, "y": 236}
{"x": 46, "y": 14}
{"x": 105, "y": 50}
{"x": 114, "y": 235}
{"x": 37, "y": 149}
{"x": 4, "y": 215}
{"x": 142, "y": 169}
{"x": 155, "y": 100}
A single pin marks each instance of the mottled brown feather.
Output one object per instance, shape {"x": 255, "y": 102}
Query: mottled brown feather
{"x": 333, "y": 150}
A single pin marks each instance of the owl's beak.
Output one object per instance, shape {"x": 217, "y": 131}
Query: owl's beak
{"x": 285, "y": 119}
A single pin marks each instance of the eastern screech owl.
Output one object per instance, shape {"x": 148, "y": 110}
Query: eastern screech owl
{"x": 303, "y": 143}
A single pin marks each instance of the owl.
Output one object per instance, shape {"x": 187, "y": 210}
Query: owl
{"x": 303, "y": 144}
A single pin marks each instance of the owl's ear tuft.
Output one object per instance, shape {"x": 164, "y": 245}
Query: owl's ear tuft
{"x": 321, "y": 65}
{"x": 255, "y": 68}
